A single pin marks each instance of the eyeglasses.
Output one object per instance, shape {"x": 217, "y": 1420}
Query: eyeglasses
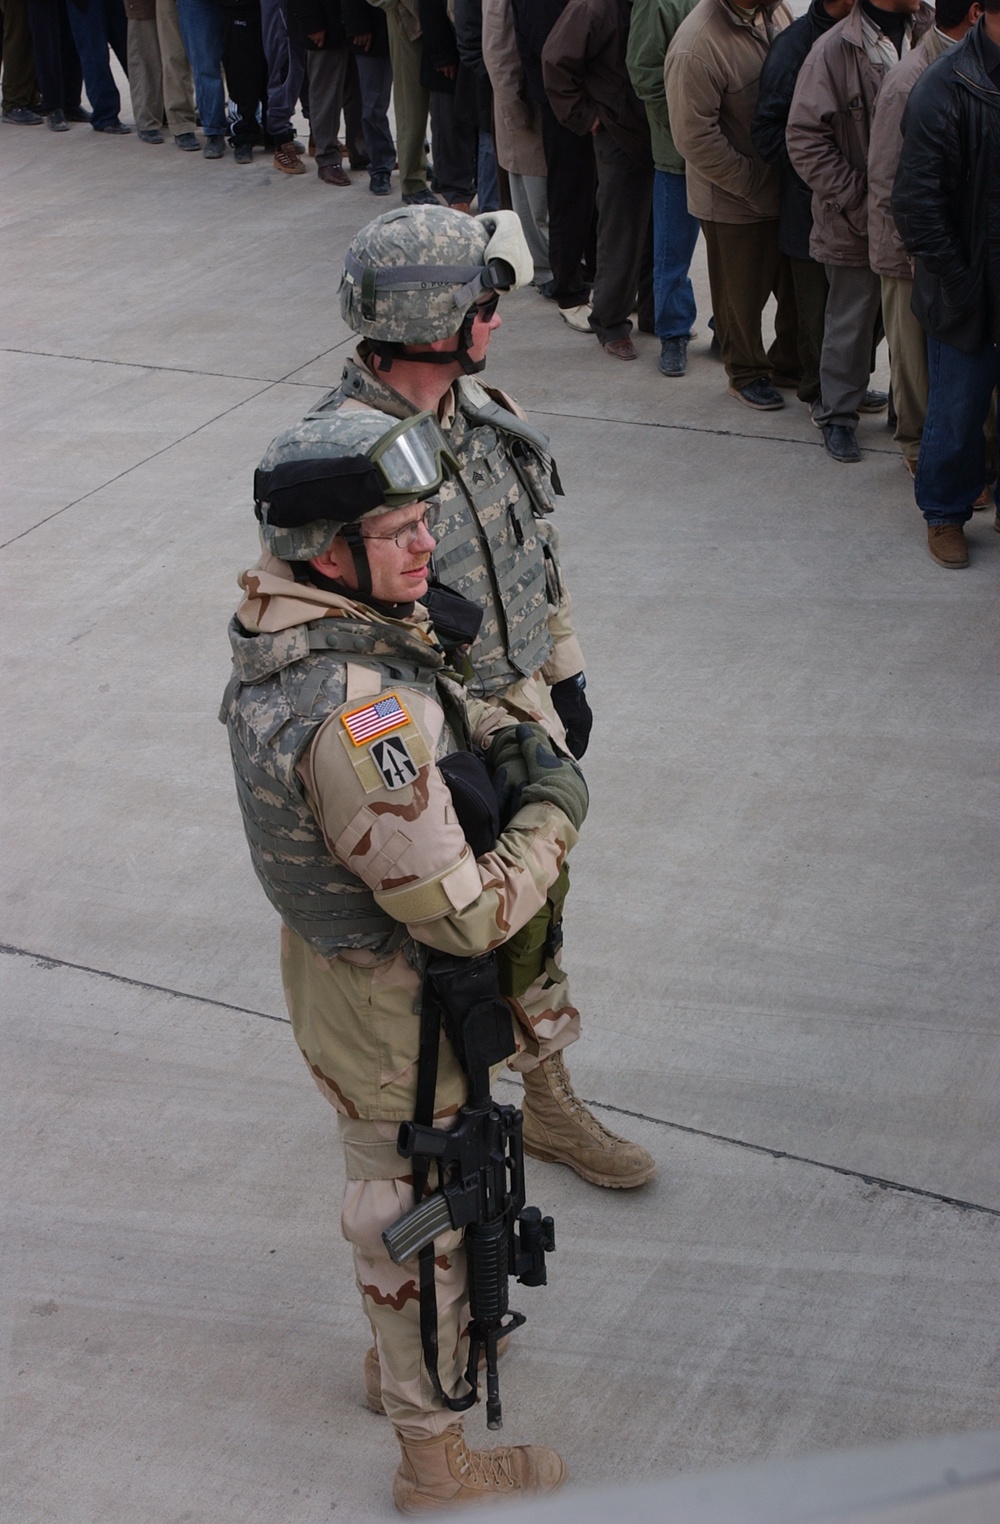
{"x": 407, "y": 535}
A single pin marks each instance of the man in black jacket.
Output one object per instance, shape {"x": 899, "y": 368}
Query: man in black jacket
{"x": 777, "y": 86}
{"x": 946, "y": 202}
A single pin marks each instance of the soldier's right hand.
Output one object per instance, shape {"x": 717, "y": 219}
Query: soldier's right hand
{"x": 551, "y": 777}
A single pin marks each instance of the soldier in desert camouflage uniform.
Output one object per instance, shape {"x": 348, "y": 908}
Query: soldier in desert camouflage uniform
{"x": 421, "y": 287}
{"x": 339, "y": 710}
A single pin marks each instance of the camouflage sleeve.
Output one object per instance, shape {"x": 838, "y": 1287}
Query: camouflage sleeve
{"x": 386, "y": 815}
{"x": 567, "y": 656}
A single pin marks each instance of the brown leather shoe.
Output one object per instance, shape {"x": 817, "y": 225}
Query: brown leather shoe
{"x": 287, "y": 160}
{"x": 946, "y": 543}
{"x": 441, "y": 1472}
{"x": 984, "y": 500}
{"x": 910, "y": 465}
{"x": 460, "y": 206}
{"x": 621, "y": 349}
{"x": 332, "y": 174}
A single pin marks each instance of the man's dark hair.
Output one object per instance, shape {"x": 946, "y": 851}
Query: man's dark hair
{"x": 951, "y": 13}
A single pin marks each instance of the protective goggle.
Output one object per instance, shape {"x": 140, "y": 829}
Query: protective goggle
{"x": 411, "y": 458}
{"x": 406, "y": 464}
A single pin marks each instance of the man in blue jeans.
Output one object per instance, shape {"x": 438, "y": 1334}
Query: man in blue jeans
{"x": 675, "y": 231}
{"x": 946, "y": 203}
{"x": 203, "y": 30}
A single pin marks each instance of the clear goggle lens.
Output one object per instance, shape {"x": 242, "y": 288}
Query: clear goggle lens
{"x": 410, "y": 457}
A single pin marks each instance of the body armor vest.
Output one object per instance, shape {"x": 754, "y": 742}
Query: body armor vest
{"x": 282, "y": 689}
{"x": 490, "y": 545}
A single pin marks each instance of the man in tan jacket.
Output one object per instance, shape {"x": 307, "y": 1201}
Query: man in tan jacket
{"x": 711, "y": 72}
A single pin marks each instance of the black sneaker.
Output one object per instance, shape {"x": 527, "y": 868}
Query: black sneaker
{"x": 77, "y": 114}
{"x": 149, "y": 135}
{"x": 214, "y": 148}
{"x": 57, "y": 121}
{"x": 874, "y": 402}
{"x": 840, "y": 443}
{"x": 243, "y": 153}
{"x": 114, "y": 129}
{"x": 188, "y": 141}
{"x": 380, "y": 182}
{"x": 22, "y": 116}
{"x": 673, "y": 359}
{"x": 760, "y": 395}
{"x": 420, "y": 198}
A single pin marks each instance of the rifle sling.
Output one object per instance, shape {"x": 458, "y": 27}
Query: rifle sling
{"x": 427, "y": 1070}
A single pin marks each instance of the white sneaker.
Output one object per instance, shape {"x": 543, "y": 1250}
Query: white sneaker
{"x": 577, "y": 317}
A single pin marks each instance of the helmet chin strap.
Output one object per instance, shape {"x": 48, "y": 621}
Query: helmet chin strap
{"x": 359, "y": 555}
{"x": 387, "y": 353}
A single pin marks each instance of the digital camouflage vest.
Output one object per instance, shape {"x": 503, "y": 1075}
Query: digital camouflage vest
{"x": 282, "y": 689}
{"x": 491, "y": 546}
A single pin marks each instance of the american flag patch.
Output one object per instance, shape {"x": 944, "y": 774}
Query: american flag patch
{"x": 375, "y": 720}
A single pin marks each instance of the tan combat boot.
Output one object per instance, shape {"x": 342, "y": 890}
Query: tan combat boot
{"x": 373, "y": 1374}
{"x": 442, "y": 1473}
{"x": 558, "y": 1127}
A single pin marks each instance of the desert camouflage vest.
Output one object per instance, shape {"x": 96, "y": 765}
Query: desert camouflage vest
{"x": 489, "y": 545}
{"x": 282, "y": 689}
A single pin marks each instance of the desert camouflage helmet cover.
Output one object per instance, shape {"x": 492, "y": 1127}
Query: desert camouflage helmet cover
{"x": 411, "y": 275}
{"x": 330, "y": 436}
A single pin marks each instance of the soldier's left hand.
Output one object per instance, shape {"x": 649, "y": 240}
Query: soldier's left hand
{"x": 570, "y": 703}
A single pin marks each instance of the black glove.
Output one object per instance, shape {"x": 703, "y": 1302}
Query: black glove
{"x": 551, "y": 778}
{"x": 474, "y": 798}
{"x": 570, "y": 704}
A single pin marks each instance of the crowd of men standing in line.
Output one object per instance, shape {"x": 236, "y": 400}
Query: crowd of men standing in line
{"x": 617, "y": 130}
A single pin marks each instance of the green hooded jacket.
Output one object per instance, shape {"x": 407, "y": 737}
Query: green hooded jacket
{"x": 651, "y": 32}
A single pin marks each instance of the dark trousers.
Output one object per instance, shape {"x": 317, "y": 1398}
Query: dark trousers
{"x": 99, "y": 26}
{"x": 19, "y": 86}
{"x": 624, "y": 272}
{"x": 455, "y": 148}
{"x": 375, "y": 85}
{"x": 57, "y": 63}
{"x": 811, "y": 288}
{"x": 745, "y": 267}
{"x": 246, "y": 71}
{"x": 571, "y": 188}
{"x": 952, "y": 464}
{"x": 327, "y": 71}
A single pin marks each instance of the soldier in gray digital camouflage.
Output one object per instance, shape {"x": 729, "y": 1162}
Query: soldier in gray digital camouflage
{"x": 421, "y": 286}
{"x": 342, "y": 716}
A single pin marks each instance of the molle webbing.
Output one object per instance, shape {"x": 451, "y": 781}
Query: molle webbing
{"x": 271, "y": 724}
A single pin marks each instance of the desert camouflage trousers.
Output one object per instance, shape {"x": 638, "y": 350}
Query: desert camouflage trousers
{"x": 378, "y": 1190}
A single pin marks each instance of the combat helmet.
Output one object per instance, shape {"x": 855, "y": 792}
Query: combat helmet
{"x": 415, "y": 275}
{"x": 325, "y": 474}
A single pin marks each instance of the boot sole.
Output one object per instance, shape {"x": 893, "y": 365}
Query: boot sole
{"x": 621, "y": 1183}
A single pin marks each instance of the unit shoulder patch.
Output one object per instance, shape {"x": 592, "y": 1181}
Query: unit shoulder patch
{"x": 394, "y": 761}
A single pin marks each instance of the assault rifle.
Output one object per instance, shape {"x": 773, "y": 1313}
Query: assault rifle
{"x": 480, "y": 1163}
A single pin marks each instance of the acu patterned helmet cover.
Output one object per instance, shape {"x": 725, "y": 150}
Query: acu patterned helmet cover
{"x": 324, "y": 436}
{"x": 438, "y": 254}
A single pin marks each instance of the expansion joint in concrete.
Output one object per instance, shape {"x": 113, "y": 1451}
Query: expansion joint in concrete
{"x": 42, "y": 960}
{"x": 697, "y": 428}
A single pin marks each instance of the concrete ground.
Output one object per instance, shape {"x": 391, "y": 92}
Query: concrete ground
{"x": 782, "y": 930}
